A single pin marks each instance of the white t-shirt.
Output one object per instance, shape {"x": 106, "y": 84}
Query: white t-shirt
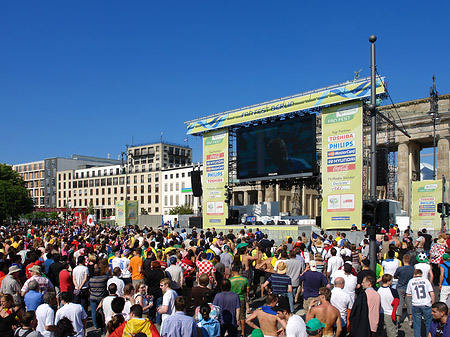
{"x": 106, "y": 306}
{"x": 334, "y": 263}
{"x": 169, "y": 300}
{"x": 420, "y": 289}
{"x": 350, "y": 283}
{"x": 342, "y": 301}
{"x": 76, "y": 314}
{"x": 296, "y": 327}
{"x": 390, "y": 266}
{"x": 118, "y": 282}
{"x": 386, "y": 299}
{"x": 425, "y": 268}
{"x": 45, "y": 317}
{"x": 122, "y": 263}
{"x": 78, "y": 274}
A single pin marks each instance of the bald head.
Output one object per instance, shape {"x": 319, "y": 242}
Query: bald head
{"x": 339, "y": 282}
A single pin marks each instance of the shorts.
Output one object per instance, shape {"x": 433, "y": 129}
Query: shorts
{"x": 243, "y": 313}
{"x": 248, "y": 275}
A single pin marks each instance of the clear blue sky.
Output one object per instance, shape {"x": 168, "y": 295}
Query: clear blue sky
{"x": 87, "y": 77}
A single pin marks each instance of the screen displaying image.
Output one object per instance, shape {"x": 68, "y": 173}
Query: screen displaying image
{"x": 286, "y": 147}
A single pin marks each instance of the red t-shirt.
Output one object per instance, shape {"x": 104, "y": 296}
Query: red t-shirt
{"x": 65, "y": 281}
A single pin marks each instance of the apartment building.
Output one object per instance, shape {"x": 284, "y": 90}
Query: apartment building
{"x": 41, "y": 176}
{"x": 138, "y": 177}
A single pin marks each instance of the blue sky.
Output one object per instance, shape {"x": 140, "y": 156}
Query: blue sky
{"x": 88, "y": 77}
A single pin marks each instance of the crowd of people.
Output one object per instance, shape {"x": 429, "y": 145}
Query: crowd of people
{"x": 165, "y": 282}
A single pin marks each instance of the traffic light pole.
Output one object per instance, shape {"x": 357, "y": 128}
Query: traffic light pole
{"x": 444, "y": 208}
{"x": 373, "y": 153}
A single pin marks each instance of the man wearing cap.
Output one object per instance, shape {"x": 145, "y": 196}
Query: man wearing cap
{"x": 10, "y": 284}
{"x": 423, "y": 265}
{"x": 176, "y": 275}
{"x": 281, "y": 283}
{"x": 314, "y": 327}
{"x": 294, "y": 325}
{"x": 312, "y": 281}
{"x": 325, "y": 312}
{"x": 444, "y": 280}
{"x": 44, "y": 283}
{"x": 122, "y": 263}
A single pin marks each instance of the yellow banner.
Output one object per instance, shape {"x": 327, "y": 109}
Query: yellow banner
{"x": 215, "y": 177}
{"x": 425, "y": 197}
{"x": 319, "y": 98}
{"x": 342, "y": 166}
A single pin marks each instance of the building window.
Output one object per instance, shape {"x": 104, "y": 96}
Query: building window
{"x": 135, "y": 179}
{"x": 149, "y": 199}
{"x": 156, "y": 177}
{"x": 165, "y": 200}
{"x": 135, "y": 189}
{"x": 149, "y": 188}
{"x": 165, "y": 188}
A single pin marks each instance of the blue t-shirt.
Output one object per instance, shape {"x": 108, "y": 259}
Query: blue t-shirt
{"x": 33, "y": 299}
{"x": 404, "y": 274}
{"x": 313, "y": 282}
{"x": 228, "y": 303}
{"x": 446, "y": 266}
{"x": 280, "y": 283}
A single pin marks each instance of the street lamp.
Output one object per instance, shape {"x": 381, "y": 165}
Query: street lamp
{"x": 434, "y": 113}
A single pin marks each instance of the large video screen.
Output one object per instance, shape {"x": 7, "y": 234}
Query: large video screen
{"x": 277, "y": 149}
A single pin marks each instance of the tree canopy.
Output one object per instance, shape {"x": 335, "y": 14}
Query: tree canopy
{"x": 15, "y": 199}
{"x": 183, "y": 209}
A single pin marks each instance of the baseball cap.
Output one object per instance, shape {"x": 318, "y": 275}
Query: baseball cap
{"x": 313, "y": 265}
{"x": 126, "y": 252}
{"x": 314, "y": 324}
{"x": 446, "y": 256}
{"x": 173, "y": 260}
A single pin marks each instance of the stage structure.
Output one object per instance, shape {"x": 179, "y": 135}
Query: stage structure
{"x": 275, "y": 143}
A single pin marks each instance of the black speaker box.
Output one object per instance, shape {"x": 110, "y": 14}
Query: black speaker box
{"x": 196, "y": 183}
{"x": 382, "y": 166}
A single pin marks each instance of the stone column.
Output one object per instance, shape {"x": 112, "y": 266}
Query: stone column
{"x": 245, "y": 200}
{"x": 260, "y": 194}
{"x": 408, "y": 170}
{"x": 443, "y": 159}
{"x": 270, "y": 193}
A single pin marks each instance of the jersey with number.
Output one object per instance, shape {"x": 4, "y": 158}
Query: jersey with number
{"x": 419, "y": 288}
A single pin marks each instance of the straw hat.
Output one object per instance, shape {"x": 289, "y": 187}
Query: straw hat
{"x": 281, "y": 268}
{"x": 318, "y": 242}
{"x": 441, "y": 241}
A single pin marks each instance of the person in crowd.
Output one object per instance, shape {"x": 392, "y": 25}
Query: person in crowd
{"x": 45, "y": 316}
{"x": 439, "y": 326}
{"x": 33, "y": 298}
{"x": 64, "y": 328}
{"x": 117, "y": 281}
{"x": 74, "y": 312}
{"x": 230, "y": 306}
{"x": 389, "y": 301}
{"x": 209, "y": 327}
{"x": 80, "y": 276}
{"x": 142, "y": 298}
{"x": 97, "y": 291}
{"x": 315, "y": 328}
{"x": 179, "y": 324}
{"x": 28, "y": 327}
{"x": 404, "y": 274}
{"x": 325, "y": 312}
{"x": 168, "y": 303}
{"x": 10, "y": 284}
{"x": 312, "y": 281}
{"x": 281, "y": 283}
{"x": 8, "y": 315}
{"x": 341, "y": 300}
{"x": 240, "y": 286}
{"x": 444, "y": 278}
{"x": 138, "y": 324}
{"x": 136, "y": 267}
{"x": 44, "y": 283}
{"x": 422, "y": 293}
{"x": 294, "y": 325}
{"x": 266, "y": 316}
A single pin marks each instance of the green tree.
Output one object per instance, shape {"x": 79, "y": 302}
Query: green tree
{"x": 183, "y": 209}
{"x": 90, "y": 208}
{"x": 15, "y": 199}
{"x": 53, "y": 215}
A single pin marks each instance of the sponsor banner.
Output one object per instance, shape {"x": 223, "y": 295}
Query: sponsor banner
{"x": 342, "y": 165}
{"x": 325, "y": 97}
{"x": 132, "y": 212}
{"x": 215, "y": 173}
{"x": 60, "y": 209}
{"x": 120, "y": 213}
{"x": 127, "y": 212}
{"x": 425, "y": 197}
